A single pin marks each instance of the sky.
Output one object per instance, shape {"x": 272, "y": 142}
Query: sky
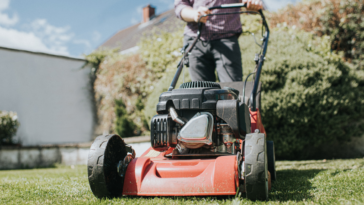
{"x": 74, "y": 27}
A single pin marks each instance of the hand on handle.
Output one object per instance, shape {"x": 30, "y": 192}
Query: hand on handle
{"x": 253, "y": 5}
{"x": 189, "y": 14}
{"x": 200, "y": 12}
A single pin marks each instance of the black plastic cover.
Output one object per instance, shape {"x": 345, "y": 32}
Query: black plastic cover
{"x": 228, "y": 110}
{"x": 193, "y": 98}
{"x": 249, "y": 87}
{"x": 161, "y": 131}
{"x": 244, "y": 119}
{"x": 236, "y": 115}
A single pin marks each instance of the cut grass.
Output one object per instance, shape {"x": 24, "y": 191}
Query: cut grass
{"x": 303, "y": 182}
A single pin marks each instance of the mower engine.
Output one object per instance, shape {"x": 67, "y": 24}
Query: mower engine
{"x": 200, "y": 119}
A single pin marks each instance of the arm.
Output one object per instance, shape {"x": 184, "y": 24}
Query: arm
{"x": 184, "y": 11}
{"x": 189, "y": 14}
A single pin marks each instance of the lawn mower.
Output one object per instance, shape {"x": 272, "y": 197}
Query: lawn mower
{"x": 207, "y": 139}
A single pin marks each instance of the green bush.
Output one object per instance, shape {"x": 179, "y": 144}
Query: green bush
{"x": 309, "y": 96}
{"x": 139, "y": 104}
{"x": 341, "y": 20}
{"x": 123, "y": 77}
{"x": 123, "y": 126}
{"x": 161, "y": 52}
{"x": 8, "y": 126}
{"x": 308, "y": 99}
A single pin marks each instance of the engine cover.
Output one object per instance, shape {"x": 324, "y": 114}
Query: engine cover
{"x": 194, "y": 99}
{"x": 198, "y": 131}
{"x": 201, "y": 119}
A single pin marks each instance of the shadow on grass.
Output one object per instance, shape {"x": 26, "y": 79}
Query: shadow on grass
{"x": 293, "y": 185}
{"x": 336, "y": 172}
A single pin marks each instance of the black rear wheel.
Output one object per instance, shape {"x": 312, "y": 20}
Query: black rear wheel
{"x": 256, "y": 167}
{"x": 271, "y": 160}
{"x": 104, "y": 156}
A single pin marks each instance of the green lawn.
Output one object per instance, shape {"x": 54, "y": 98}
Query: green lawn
{"x": 304, "y": 182}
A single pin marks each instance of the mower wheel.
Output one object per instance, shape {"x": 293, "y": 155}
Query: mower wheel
{"x": 104, "y": 156}
{"x": 256, "y": 167}
{"x": 271, "y": 160}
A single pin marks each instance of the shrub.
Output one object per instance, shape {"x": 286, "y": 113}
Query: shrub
{"x": 123, "y": 78}
{"x": 123, "y": 126}
{"x": 307, "y": 99}
{"x": 8, "y": 126}
{"x": 309, "y": 96}
{"x": 341, "y": 20}
{"x": 161, "y": 52}
{"x": 139, "y": 103}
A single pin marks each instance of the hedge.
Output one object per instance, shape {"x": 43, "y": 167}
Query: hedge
{"x": 8, "y": 126}
{"x": 341, "y": 20}
{"x": 123, "y": 125}
{"x": 309, "y": 96}
{"x": 308, "y": 100}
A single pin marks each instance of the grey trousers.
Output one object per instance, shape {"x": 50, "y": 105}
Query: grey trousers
{"x": 222, "y": 54}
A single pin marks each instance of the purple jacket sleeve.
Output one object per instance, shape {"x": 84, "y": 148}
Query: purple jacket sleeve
{"x": 179, "y": 5}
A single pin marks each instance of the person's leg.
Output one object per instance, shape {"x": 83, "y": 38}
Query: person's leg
{"x": 201, "y": 60}
{"x": 228, "y": 59}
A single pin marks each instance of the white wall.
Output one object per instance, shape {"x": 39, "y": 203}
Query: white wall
{"x": 31, "y": 157}
{"x": 51, "y": 95}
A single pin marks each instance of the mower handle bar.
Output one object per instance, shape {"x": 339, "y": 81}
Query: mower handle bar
{"x": 228, "y": 6}
{"x": 261, "y": 57}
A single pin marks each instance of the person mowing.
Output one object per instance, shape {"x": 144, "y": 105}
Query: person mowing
{"x": 218, "y": 48}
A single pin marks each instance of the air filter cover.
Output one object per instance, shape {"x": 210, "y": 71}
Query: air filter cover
{"x": 198, "y": 131}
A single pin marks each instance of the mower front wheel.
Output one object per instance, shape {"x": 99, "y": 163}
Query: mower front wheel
{"x": 105, "y": 154}
{"x": 256, "y": 167}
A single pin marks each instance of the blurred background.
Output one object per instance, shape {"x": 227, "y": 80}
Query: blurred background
{"x": 71, "y": 71}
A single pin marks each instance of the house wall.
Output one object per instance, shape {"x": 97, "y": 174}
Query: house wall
{"x": 33, "y": 157}
{"x": 51, "y": 95}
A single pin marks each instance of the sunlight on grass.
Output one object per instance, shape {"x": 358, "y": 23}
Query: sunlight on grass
{"x": 303, "y": 182}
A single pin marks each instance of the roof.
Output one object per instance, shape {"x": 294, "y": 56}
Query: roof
{"x": 129, "y": 37}
{"x": 42, "y": 53}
